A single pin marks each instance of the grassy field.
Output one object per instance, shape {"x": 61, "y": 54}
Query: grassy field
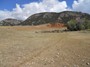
{"x": 22, "y": 47}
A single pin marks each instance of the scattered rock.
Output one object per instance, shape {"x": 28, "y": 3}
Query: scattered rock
{"x": 33, "y": 63}
{"x": 76, "y": 66}
{"x": 87, "y": 63}
{"x": 83, "y": 60}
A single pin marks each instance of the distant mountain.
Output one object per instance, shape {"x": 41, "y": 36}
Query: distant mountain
{"x": 47, "y": 17}
{"x": 10, "y": 22}
{"x": 53, "y": 17}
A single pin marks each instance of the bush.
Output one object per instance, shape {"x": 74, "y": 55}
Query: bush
{"x": 71, "y": 25}
{"x": 87, "y": 24}
{"x": 80, "y": 26}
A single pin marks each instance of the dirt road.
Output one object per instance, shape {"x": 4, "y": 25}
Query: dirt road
{"x": 20, "y": 48}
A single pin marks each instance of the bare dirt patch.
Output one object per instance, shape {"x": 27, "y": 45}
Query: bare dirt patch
{"x": 21, "y": 47}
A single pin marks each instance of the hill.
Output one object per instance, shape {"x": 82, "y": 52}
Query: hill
{"x": 53, "y": 17}
{"x": 10, "y": 22}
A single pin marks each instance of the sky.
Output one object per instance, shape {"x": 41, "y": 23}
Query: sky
{"x": 22, "y": 9}
{"x": 10, "y": 4}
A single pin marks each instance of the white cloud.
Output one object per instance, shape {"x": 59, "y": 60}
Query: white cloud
{"x": 5, "y": 14}
{"x": 35, "y": 7}
{"x": 44, "y": 6}
{"x": 81, "y": 5}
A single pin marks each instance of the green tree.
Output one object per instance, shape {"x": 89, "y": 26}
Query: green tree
{"x": 72, "y": 25}
{"x": 87, "y": 24}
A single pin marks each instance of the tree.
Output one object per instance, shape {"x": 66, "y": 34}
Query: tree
{"x": 71, "y": 25}
{"x": 74, "y": 25}
{"x": 87, "y": 24}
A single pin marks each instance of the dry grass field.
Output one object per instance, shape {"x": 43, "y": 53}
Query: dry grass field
{"x": 22, "y": 47}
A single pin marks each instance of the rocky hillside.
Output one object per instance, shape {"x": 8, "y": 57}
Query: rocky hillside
{"x": 10, "y": 22}
{"x": 47, "y": 17}
{"x": 52, "y": 17}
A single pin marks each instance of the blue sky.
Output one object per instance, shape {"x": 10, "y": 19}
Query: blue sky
{"x": 22, "y": 9}
{"x": 10, "y": 4}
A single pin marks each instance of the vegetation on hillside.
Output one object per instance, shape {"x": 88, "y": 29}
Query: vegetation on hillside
{"x": 74, "y": 25}
{"x": 73, "y": 20}
{"x": 53, "y": 17}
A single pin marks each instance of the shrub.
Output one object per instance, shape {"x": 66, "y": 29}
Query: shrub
{"x": 82, "y": 24}
{"x": 87, "y": 24}
{"x": 71, "y": 25}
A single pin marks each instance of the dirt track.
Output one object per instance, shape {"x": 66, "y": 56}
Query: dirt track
{"x": 20, "y": 48}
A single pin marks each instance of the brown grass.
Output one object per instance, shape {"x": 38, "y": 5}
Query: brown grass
{"x": 39, "y": 27}
{"x": 22, "y": 47}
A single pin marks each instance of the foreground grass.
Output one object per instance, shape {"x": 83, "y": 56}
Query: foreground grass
{"x": 25, "y": 48}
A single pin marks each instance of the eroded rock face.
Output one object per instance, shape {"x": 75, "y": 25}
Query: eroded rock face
{"x": 10, "y": 22}
{"x": 52, "y": 17}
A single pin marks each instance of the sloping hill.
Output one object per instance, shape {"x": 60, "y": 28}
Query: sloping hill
{"x": 52, "y": 17}
{"x": 10, "y": 22}
{"x": 46, "y": 17}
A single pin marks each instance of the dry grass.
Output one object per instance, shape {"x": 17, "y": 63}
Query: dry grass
{"x": 22, "y": 47}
